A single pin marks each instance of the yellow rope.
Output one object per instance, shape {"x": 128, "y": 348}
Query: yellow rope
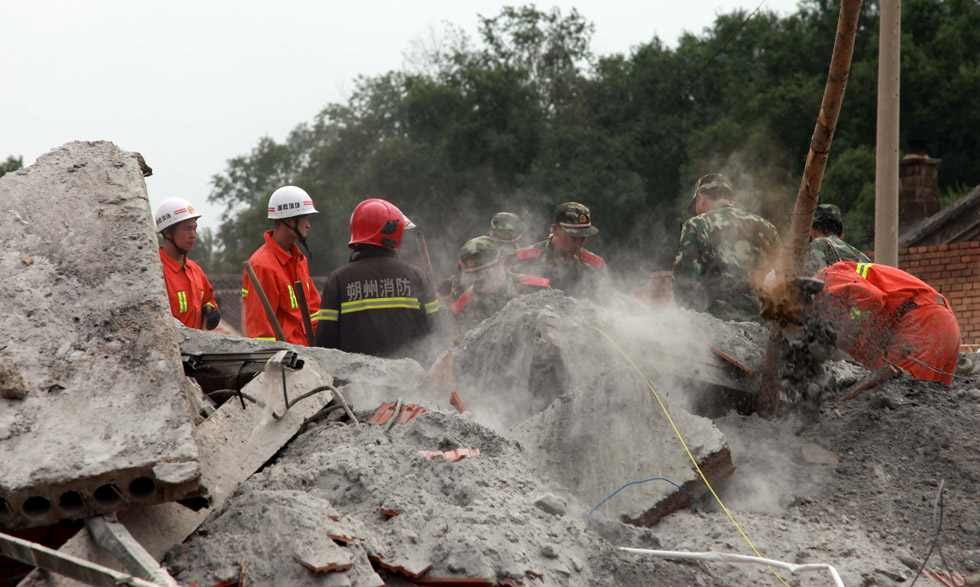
{"x": 693, "y": 460}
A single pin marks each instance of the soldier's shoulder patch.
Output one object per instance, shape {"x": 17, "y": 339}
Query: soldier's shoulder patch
{"x": 529, "y": 253}
{"x": 461, "y": 302}
{"x": 591, "y": 259}
{"x": 534, "y": 281}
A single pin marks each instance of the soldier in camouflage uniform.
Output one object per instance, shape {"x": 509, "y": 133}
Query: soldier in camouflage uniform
{"x": 486, "y": 285}
{"x": 827, "y": 245}
{"x": 507, "y": 229}
{"x": 561, "y": 258}
{"x": 722, "y": 249}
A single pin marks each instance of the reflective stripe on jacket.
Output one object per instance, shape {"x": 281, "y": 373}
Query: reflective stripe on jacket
{"x": 375, "y": 305}
{"x": 188, "y": 290}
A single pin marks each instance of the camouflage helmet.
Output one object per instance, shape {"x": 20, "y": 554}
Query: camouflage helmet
{"x": 477, "y": 255}
{"x": 708, "y": 182}
{"x": 827, "y": 219}
{"x": 506, "y": 227}
{"x": 575, "y": 219}
{"x": 826, "y": 212}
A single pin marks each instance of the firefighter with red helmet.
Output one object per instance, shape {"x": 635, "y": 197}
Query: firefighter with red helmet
{"x": 278, "y": 265}
{"x": 886, "y": 316}
{"x": 377, "y": 304}
{"x": 190, "y": 293}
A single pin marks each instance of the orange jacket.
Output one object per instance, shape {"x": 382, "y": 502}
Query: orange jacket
{"x": 900, "y": 319}
{"x": 276, "y": 271}
{"x": 188, "y": 289}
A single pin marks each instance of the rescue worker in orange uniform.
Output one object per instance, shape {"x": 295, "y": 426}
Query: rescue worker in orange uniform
{"x": 278, "y": 264}
{"x": 885, "y": 315}
{"x": 190, "y": 292}
{"x": 377, "y": 304}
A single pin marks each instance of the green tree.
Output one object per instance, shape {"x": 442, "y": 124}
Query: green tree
{"x": 527, "y": 116}
{"x": 11, "y": 164}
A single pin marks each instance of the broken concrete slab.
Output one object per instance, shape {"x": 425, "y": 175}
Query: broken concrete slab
{"x": 234, "y": 443}
{"x": 597, "y": 426}
{"x": 87, "y": 331}
{"x": 370, "y": 381}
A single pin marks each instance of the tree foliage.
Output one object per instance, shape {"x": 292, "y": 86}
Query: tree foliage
{"x": 11, "y": 164}
{"x": 528, "y": 117}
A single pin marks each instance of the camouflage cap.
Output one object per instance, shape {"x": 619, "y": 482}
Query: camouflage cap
{"x": 477, "y": 255}
{"x": 576, "y": 219}
{"x": 825, "y": 212}
{"x": 709, "y": 182}
{"x": 506, "y": 227}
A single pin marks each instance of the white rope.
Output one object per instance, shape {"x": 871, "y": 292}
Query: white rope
{"x": 722, "y": 557}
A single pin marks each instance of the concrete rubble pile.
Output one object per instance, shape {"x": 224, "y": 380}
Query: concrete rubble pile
{"x": 503, "y": 494}
{"x": 595, "y": 424}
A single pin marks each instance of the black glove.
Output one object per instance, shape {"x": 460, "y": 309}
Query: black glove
{"x": 212, "y": 316}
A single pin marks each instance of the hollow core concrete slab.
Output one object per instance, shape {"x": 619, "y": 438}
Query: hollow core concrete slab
{"x": 97, "y": 418}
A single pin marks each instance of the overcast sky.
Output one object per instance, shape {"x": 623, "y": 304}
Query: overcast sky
{"x": 193, "y": 84}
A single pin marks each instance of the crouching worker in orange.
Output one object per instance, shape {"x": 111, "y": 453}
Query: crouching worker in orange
{"x": 278, "y": 265}
{"x": 190, "y": 292}
{"x": 886, "y": 316}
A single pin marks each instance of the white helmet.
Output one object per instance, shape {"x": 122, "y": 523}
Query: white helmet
{"x": 289, "y": 201}
{"x": 174, "y": 210}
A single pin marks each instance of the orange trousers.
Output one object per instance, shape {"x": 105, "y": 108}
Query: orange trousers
{"x": 927, "y": 343}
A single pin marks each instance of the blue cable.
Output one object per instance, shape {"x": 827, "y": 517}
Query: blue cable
{"x": 637, "y": 483}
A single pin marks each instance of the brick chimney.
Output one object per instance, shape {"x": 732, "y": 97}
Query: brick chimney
{"x": 918, "y": 193}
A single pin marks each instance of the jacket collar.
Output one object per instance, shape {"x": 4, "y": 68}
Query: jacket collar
{"x": 169, "y": 263}
{"x": 371, "y": 251}
{"x": 281, "y": 253}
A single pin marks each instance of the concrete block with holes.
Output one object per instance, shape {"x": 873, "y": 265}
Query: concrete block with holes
{"x": 93, "y": 415}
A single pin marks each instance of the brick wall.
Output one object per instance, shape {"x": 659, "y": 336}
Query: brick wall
{"x": 954, "y": 270}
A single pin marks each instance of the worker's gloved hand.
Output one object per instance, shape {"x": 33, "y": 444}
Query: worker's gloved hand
{"x": 211, "y": 317}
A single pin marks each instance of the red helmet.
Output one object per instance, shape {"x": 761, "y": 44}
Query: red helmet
{"x": 378, "y": 222}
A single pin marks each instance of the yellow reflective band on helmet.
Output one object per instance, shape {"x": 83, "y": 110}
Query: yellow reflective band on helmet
{"x": 330, "y": 315}
{"x": 244, "y": 292}
{"x": 862, "y": 269}
{"x": 292, "y": 298}
{"x": 182, "y": 302}
{"x": 432, "y": 307}
{"x": 379, "y": 304}
{"x": 212, "y": 304}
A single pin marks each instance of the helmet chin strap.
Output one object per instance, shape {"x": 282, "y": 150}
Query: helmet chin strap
{"x": 302, "y": 240}
{"x": 168, "y": 236}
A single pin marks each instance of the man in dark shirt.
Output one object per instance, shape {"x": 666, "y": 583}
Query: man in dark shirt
{"x": 376, "y": 304}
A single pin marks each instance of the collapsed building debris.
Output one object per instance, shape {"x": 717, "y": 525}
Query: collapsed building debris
{"x": 92, "y": 420}
{"x": 497, "y": 492}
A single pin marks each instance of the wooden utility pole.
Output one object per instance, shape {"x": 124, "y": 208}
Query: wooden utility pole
{"x": 816, "y": 163}
{"x": 886, "y": 151}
